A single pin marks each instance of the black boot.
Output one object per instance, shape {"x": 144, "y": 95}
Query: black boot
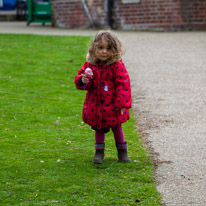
{"x": 122, "y": 152}
{"x": 99, "y": 154}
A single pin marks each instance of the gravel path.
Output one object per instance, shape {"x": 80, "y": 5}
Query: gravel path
{"x": 168, "y": 75}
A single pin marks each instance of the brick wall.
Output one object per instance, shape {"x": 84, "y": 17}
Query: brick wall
{"x": 71, "y": 13}
{"x": 194, "y": 13}
{"x": 145, "y": 15}
{"x": 160, "y": 15}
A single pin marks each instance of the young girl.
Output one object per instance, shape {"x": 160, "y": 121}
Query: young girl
{"x": 108, "y": 95}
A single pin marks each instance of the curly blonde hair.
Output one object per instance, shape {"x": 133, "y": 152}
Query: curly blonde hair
{"x": 114, "y": 43}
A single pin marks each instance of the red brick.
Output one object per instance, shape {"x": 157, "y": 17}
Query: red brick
{"x": 149, "y": 14}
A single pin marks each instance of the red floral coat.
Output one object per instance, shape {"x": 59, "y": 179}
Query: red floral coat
{"x": 107, "y": 92}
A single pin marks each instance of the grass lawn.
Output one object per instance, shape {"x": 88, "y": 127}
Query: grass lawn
{"x": 46, "y": 149}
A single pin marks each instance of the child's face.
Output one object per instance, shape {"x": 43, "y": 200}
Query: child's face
{"x": 103, "y": 50}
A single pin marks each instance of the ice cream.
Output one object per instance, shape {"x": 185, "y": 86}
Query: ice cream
{"x": 89, "y": 72}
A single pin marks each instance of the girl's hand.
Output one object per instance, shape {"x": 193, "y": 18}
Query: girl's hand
{"x": 85, "y": 80}
{"x": 122, "y": 110}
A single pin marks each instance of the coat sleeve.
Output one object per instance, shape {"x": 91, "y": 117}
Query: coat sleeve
{"x": 78, "y": 79}
{"x": 123, "y": 89}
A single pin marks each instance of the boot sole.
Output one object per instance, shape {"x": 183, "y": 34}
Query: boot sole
{"x": 122, "y": 161}
{"x": 97, "y": 161}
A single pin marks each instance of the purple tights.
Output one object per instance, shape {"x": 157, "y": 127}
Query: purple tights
{"x": 118, "y": 135}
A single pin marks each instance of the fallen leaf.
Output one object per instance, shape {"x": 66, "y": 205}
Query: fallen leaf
{"x": 54, "y": 201}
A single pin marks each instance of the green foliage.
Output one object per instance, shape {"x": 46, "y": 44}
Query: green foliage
{"x": 46, "y": 149}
